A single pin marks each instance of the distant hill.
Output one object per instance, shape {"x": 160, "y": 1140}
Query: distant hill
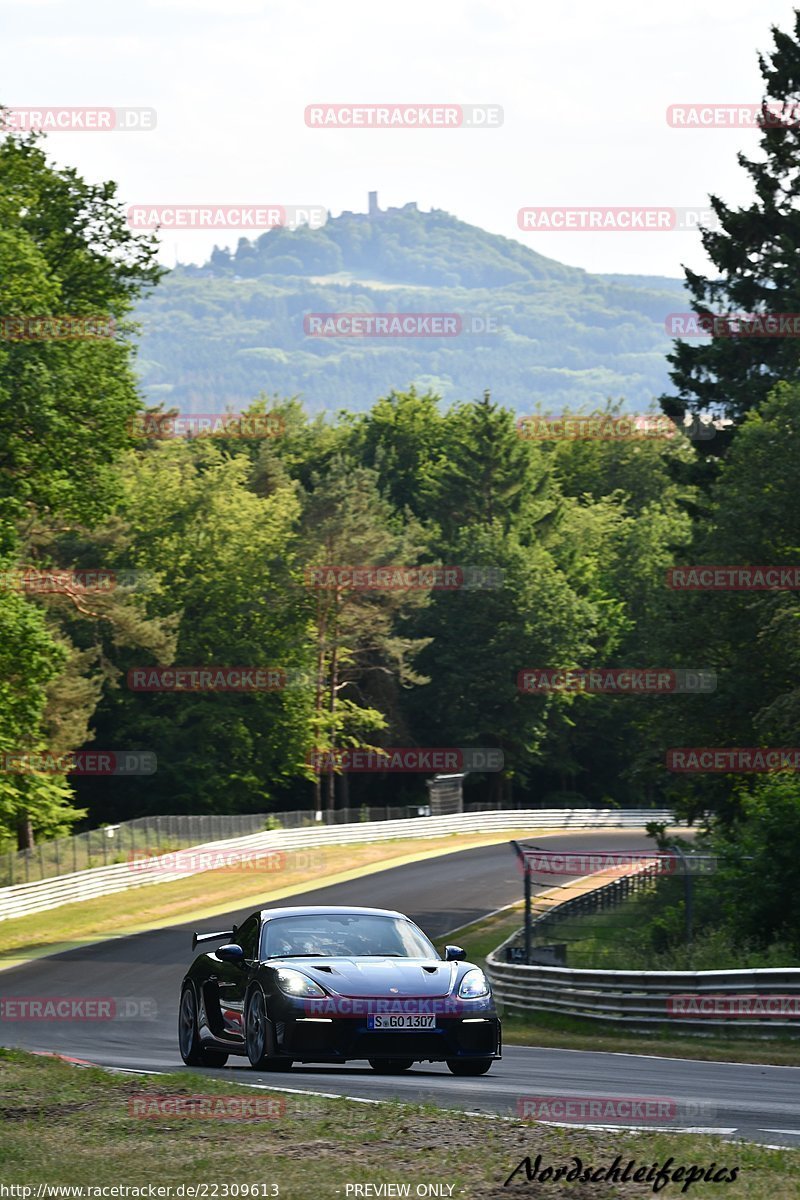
{"x": 216, "y": 335}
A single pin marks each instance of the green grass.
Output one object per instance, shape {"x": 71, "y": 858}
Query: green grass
{"x": 60, "y": 1125}
{"x": 608, "y": 939}
{"x": 575, "y": 1033}
{"x": 647, "y": 932}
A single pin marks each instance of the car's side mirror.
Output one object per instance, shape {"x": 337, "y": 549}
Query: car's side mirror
{"x": 231, "y": 954}
{"x": 454, "y": 954}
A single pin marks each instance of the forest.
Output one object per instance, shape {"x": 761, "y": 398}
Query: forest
{"x": 251, "y": 606}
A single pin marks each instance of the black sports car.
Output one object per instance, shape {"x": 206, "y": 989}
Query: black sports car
{"x": 333, "y": 984}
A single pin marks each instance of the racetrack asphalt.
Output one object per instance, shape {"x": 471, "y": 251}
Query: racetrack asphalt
{"x": 143, "y": 973}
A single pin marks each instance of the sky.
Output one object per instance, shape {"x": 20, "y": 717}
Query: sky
{"x": 584, "y": 90}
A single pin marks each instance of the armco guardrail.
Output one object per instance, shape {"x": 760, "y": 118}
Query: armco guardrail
{"x": 114, "y": 843}
{"x": 545, "y": 924}
{"x": 691, "y": 1000}
{"x": 22, "y": 899}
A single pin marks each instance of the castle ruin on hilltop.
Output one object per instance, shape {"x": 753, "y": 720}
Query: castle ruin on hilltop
{"x": 374, "y": 213}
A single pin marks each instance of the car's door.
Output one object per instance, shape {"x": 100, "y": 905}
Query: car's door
{"x": 232, "y": 979}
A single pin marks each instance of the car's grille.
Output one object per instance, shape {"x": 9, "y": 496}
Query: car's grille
{"x": 478, "y": 1037}
{"x": 400, "y": 1045}
{"x": 306, "y": 1038}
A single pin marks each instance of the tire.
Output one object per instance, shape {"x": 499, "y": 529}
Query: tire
{"x": 193, "y": 1053}
{"x": 469, "y": 1066}
{"x": 390, "y": 1066}
{"x": 257, "y": 1036}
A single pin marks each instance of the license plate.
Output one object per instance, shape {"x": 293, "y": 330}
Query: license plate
{"x": 406, "y": 1021}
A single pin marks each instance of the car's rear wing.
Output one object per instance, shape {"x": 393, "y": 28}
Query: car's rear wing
{"x": 211, "y": 937}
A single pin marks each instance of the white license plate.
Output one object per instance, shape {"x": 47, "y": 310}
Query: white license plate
{"x": 406, "y": 1021}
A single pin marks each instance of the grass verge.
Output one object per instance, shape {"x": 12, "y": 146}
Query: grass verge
{"x": 63, "y": 1126}
{"x": 574, "y": 1033}
{"x": 649, "y": 928}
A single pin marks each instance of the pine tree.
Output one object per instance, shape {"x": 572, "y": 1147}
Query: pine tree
{"x": 758, "y": 271}
{"x": 489, "y": 473}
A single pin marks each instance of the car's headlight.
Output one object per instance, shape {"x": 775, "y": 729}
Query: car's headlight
{"x": 473, "y": 985}
{"x": 296, "y": 984}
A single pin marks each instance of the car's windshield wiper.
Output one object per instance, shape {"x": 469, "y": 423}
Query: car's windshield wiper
{"x": 288, "y": 954}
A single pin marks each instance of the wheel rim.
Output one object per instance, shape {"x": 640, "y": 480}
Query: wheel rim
{"x": 256, "y": 1027}
{"x": 187, "y": 1022}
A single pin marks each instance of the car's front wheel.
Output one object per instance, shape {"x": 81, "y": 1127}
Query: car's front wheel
{"x": 192, "y": 1050}
{"x": 469, "y": 1066}
{"x": 257, "y": 1036}
{"x": 390, "y": 1066}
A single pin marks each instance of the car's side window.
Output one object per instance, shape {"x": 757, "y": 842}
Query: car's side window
{"x": 247, "y": 937}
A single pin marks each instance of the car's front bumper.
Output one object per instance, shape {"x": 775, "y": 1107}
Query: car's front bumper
{"x": 338, "y": 1039}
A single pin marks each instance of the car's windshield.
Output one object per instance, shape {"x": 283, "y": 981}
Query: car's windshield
{"x": 331, "y": 934}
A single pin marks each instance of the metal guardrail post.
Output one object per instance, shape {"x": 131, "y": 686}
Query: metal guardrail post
{"x": 528, "y": 930}
{"x": 687, "y": 892}
{"x": 527, "y": 893}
